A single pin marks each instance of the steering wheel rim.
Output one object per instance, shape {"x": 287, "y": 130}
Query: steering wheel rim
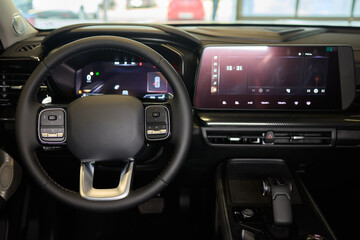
{"x": 28, "y": 108}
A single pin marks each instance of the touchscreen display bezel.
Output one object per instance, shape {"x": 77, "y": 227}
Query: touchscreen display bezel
{"x": 331, "y": 96}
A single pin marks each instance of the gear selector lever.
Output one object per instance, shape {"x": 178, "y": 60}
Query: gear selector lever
{"x": 279, "y": 190}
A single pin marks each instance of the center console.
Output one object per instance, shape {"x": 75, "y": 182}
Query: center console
{"x": 260, "y": 199}
{"x": 261, "y": 98}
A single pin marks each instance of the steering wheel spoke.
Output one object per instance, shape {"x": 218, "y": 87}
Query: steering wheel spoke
{"x": 88, "y": 191}
{"x": 52, "y": 125}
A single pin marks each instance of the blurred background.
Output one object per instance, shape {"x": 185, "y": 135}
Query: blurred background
{"x": 50, "y": 14}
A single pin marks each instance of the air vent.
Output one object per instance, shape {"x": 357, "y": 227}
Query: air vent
{"x": 28, "y": 47}
{"x": 13, "y": 75}
{"x": 280, "y": 137}
{"x": 303, "y": 138}
{"x": 234, "y": 138}
{"x": 11, "y": 84}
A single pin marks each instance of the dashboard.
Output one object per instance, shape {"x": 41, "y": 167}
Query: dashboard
{"x": 241, "y": 86}
{"x": 291, "y": 95}
{"x": 235, "y": 77}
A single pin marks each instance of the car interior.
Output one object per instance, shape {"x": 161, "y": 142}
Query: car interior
{"x": 178, "y": 131}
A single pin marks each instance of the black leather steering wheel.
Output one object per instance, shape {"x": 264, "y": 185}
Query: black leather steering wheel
{"x": 100, "y": 128}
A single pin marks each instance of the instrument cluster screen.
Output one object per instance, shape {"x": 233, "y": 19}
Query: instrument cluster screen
{"x": 268, "y": 77}
{"x": 139, "y": 79}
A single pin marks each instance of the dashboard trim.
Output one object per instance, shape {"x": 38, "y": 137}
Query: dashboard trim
{"x": 347, "y": 73}
{"x": 296, "y": 136}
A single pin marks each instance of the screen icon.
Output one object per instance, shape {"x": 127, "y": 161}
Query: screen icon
{"x": 156, "y": 82}
{"x": 213, "y": 89}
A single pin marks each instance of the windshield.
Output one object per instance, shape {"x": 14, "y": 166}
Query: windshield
{"x": 50, "y": 14}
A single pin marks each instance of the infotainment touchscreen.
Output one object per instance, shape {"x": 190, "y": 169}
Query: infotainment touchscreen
{"x": 273, "y": 77}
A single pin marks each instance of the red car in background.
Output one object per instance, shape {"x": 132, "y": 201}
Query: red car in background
{"x": 186, "y": 9}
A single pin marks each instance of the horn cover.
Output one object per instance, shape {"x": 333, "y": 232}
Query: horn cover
{"x": 105, "y": 127}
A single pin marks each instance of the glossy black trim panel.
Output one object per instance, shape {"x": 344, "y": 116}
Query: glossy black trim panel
{"x": 347, "y": 76}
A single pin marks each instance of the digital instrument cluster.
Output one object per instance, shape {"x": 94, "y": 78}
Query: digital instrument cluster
{"x": 134, "y": 78}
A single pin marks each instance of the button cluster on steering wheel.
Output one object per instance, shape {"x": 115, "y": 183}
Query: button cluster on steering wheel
{"x": 157, "y": 122}
{"x": 52, "y": 125}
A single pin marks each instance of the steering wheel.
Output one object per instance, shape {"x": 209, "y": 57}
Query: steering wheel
{"x": 101, "y": 128}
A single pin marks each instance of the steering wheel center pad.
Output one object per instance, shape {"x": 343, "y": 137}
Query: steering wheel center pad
{"x": 105, "y": 127}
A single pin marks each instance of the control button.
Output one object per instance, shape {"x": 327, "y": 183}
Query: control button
{"x": 156, "y": 114}
{"x": 52, "y": 130}
{"x": 152, "y": 132}
{"x": 269, "y": 137}
{"x": 52, "y": 117}
{"x": 52, "y": 134}
{"x": 247, "y": 213}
